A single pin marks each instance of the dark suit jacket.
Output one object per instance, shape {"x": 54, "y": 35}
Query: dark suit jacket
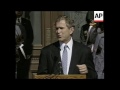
{"x": 92, "y": 35}
{"x": 83, "y": 33}
{"x": 50, "y": 58}
{"x": 29, "y": 36}
{"x": 24, "y": 65}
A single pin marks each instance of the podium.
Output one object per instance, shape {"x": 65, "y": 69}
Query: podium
{"x": 72, "y": 76}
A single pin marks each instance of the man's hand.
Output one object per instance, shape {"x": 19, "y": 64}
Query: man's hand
{"x": 82, "y": 68}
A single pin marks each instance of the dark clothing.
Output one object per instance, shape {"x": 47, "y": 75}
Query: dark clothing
{"x": 50, "y": 58}
{"x": 24, "y": 64}
{"x": 29, "y": 36}
{"x": 83, "y": 33}
{"x": 92, "y": 35}
{"x": 88, "y": 35}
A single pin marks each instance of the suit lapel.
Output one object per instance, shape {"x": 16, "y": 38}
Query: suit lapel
{"x": 57, "y": 60}
{"x": 74, "y": 59}
{"x": 91, "y": 31}
{"x": 23, "y": 21}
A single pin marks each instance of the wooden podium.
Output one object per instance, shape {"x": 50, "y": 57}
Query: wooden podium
{"x": 74, "y": 76}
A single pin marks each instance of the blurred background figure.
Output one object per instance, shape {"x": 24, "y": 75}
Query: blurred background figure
{"x": 89, "y": 31}
{"x": 23, "y": 28}
{"x": 98, "y": 53}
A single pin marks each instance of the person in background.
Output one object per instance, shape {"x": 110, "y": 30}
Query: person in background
{"x": 98, "y": 53}
{"x": 89, "y": 31}
{"x": 66, "y": 56}
{"x": 23, "y": 64}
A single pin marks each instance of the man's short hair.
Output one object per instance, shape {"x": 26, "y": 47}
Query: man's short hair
{"x": 69, "y": 22}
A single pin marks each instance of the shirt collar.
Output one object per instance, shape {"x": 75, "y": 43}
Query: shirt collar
{"x": 69, "y": 44}
{"x": 19, "y": 19}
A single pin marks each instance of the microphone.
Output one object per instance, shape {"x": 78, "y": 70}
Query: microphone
{"x": 59, "y": 69}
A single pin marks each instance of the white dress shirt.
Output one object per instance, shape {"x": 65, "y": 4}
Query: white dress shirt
{"x": 17, "y": 31}
{"x": 69, "y": 51}
{"x": 19, "y": 19}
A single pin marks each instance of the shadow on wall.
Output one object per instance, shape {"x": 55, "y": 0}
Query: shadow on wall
{"x": 79, "y": 18}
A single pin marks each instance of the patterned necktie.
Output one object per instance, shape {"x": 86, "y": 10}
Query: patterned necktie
{"x": 64, "y": 59}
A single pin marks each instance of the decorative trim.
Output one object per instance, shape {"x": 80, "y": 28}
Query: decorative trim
{"x": 36, "y": 47}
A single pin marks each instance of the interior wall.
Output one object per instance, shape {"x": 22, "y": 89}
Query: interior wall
{"x": 79, "y": 18}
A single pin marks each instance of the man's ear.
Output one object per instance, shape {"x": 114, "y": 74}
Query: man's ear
{"x": 71, "y": 30}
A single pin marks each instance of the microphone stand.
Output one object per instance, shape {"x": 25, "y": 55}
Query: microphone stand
{"x": 55, "y": 75}
{"x": 60, "y": 69}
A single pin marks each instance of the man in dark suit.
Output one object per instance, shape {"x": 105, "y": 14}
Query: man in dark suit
{"x": 24, "y": 63}
{"x": 73, "y": 57}
{"x": 85, "y": 27}
{"x": 88, "y": 33}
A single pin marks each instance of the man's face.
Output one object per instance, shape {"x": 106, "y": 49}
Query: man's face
{"x": 63, "y": 32}
{"x": 19, "y": 13}
{"x": 92, "y": 23}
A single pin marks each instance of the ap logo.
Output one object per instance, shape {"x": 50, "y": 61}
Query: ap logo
{"x": 98, "y": 16}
